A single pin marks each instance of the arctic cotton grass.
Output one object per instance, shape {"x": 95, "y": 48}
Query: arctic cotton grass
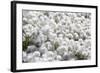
{"x": 56, "y": 36}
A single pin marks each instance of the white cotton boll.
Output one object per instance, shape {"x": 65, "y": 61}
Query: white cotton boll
{"x": 29, "y": 34}
{"x": 66, "y": 39}
{"x": 45, "y": 29}
{"x": 83, "y": 35}
{"x": 88, "y": 53}
{"x": 51, "y": 15}
{"x": 60, "y": 35}
{"x": 30, "y": 21}
{"x": 76, "y": 45}
{"x": 35, "y": 13}
{"x": 64, "y": 43}
{"x": 36, "y": 54}
{"x": 58, "y": 57}
{"x": 71, "y": 53}
{"x": 29, "y": 57}
{"x": 45, "y": 59}
{"x": 70, "y": 36}
{"x": 44, "y": 55}
{"x": 41, "y": 59}
{"x": 57, "y": 40}
{"x": 81, "y": 41}
{"x": 31, "y": 13}
{"x": 53, "y": 30}
{"x": 70, "y": 48}
{"x": 55, "y": 53}
{"x": 56, "y": 18}
{"x": 81, "y": 48}
{"x": 88, "y": 32}
{"x": 49, "y": 46}
{"x": 72, "y": 59}
{"x": 58, "y": 30}
{"x": 77, "y": 42}
{"x": 28, "y": 28}
{"x": 87, "y": 44}
{"x": 38, "y": 41}
{"x": 35, "y": 32}
{"x": 66, "y": 56}
{"x": 76, "y": 36}
{"x": 37, "y": 59}
{"x": 62, "y": 22}
{"x": 68, "y": 19}
{"x": 33, "y": 21}
{"x": 61, "y": 50}
{"x": 60, "y": 39}
{"x": 24, "y": 59}
{"x": 31, "y": 48}
{"x": 43, "y": 49}
{"x": 67, "y": 30}
{"x": 71, "y": 42}
{"x": 25, "y": 13}
{"x": 74, "y": 15}
{"x": 52, "y": 21}
{"x": 47, "y": 19}
{"x": 24, "y": 54}
{"x": 25, "y": 20}
{"x": 85, "y": 53}
{"x": 50, "y": 54}
{"x": 42, "y": 18}
{"x": 78, "y": 26}
{"x": 64, "y": 32}
{"x": 82, "y": 17}
{"x": 79, "y": 20}
{"x": 42, "y": 37}
{"x": 52, "y": 35}
{"x": 50, "y": 59}
{"x": 25, "y": 27}
{"x": 45, "y": 38}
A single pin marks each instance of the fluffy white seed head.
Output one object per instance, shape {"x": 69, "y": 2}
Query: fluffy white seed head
{"x": 31, "y": 48}
{"x": 58, "y": 57}
{"x": 43, "y": 49}
{"x": 36, "y": 54}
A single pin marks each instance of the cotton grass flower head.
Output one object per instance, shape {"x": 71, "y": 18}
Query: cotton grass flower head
{"x": 58, "y": 58}
{"x": 36, "y": 54}
{"x": 31, "y": 48}
{"x": 28, "y": 29}
{"x": 43, "y": 49}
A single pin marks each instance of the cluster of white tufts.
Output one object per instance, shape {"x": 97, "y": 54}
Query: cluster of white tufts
{"x": 56, "y": 36}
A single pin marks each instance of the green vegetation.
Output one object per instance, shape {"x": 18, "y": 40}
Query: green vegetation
{"x": 81, "y": 56}
{"x": 56, "y": 45}
{"x": 26, "y": 42}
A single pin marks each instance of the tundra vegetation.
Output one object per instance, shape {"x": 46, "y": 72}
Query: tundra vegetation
{"x": 55, "y": 36}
